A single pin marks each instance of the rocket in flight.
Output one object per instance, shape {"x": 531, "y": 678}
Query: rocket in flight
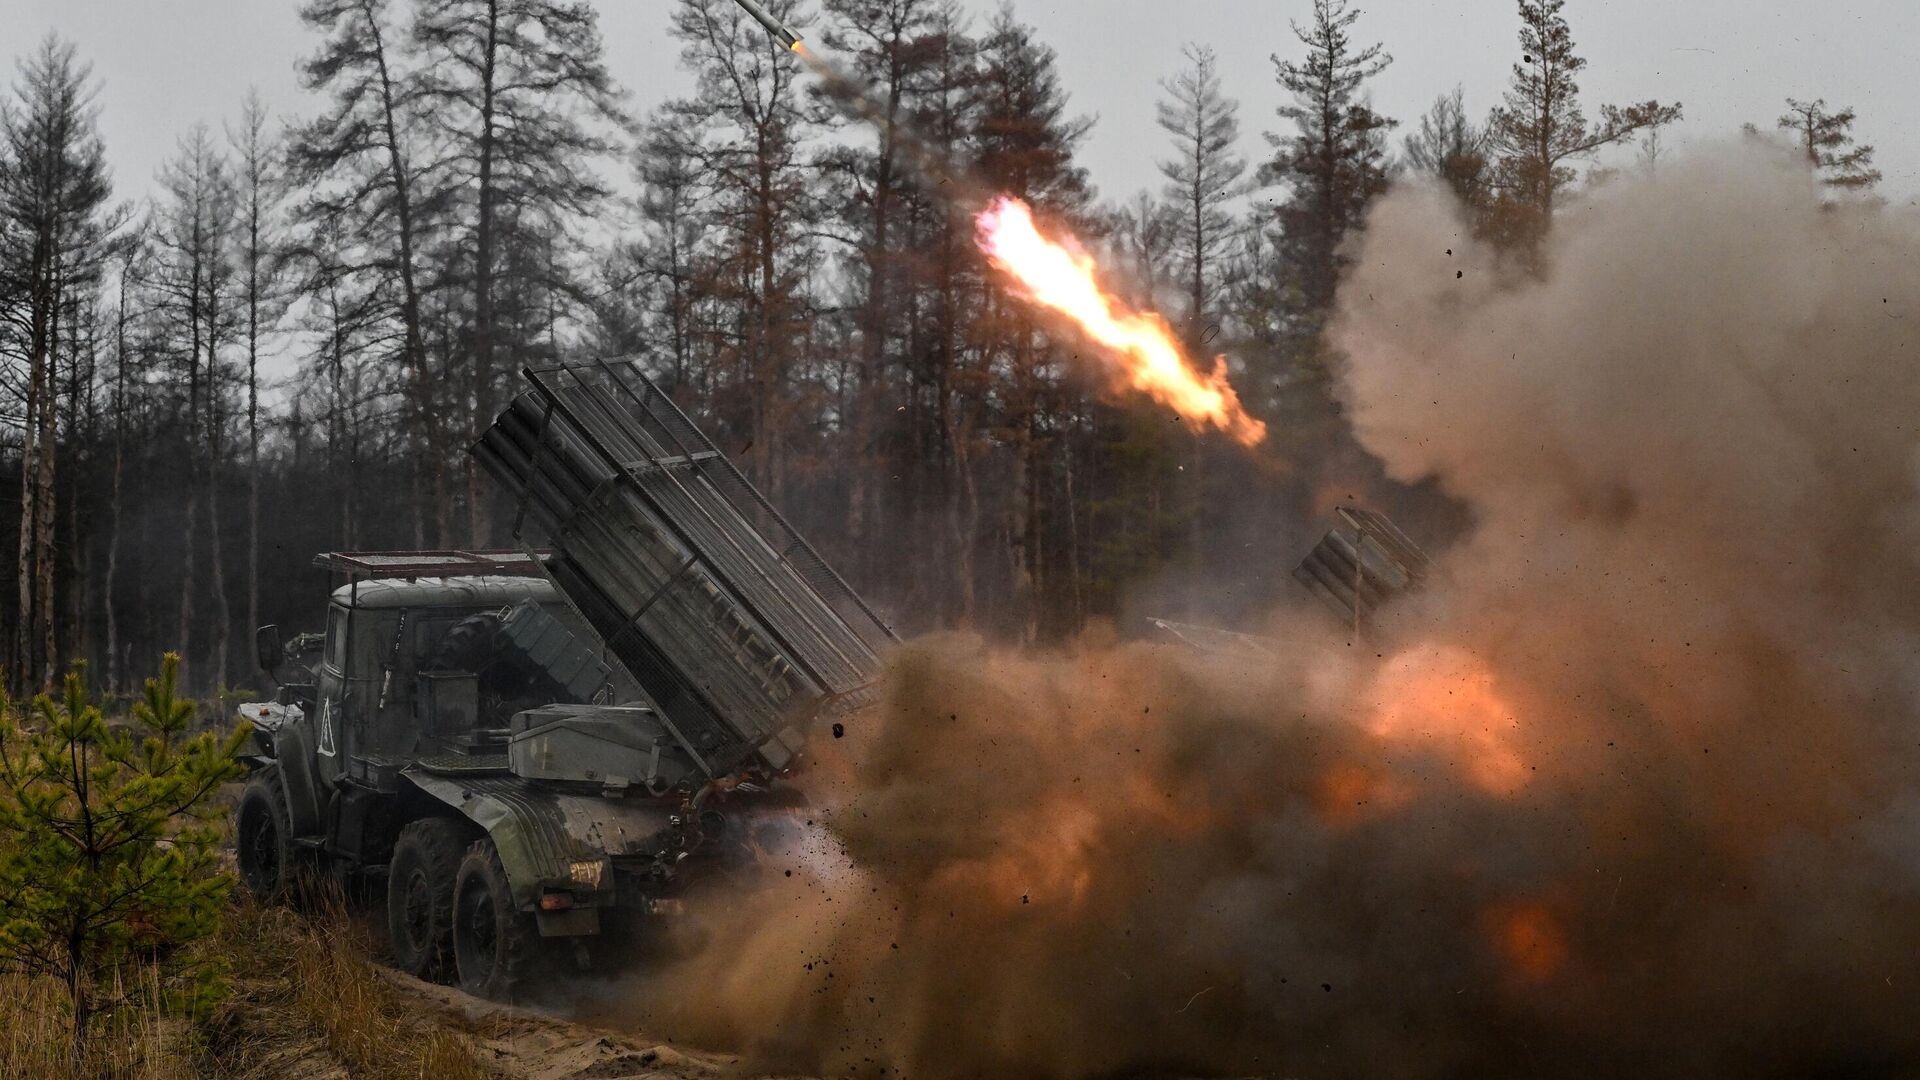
{"x": 774, "y": 26}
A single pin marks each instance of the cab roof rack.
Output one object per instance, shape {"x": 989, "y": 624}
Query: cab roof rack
{"x": 491, "y": 562}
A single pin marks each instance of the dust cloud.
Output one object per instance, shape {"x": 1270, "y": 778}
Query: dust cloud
{"x": 1633, "y": 788}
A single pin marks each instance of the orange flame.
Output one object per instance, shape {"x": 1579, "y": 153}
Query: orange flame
{"x": 1446, "y": 701}
{"x": 1061, "y": 277}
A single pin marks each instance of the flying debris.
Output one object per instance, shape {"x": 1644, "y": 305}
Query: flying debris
{"x": 774, "y": 26}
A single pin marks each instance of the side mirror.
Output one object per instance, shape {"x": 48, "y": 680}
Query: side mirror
{"x": 268, "y": 652}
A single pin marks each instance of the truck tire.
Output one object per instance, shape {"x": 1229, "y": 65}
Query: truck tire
{"x": 263, "y": 838}
{"x": 492, "y": 942}
{"x": 420, "y": 896}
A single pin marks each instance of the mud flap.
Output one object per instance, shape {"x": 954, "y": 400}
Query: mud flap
{"x": 573, "y": 922}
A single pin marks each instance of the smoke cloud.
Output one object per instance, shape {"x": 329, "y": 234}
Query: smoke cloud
{"x": 1632, "y": 788}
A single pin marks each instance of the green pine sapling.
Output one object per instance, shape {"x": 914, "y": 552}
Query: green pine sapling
{"x": 108, "y": 846}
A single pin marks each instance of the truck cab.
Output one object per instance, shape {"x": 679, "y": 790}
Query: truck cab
{"x": 395, "y": 683}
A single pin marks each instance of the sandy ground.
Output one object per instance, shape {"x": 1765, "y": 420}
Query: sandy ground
{"x": 528, "y": 1045}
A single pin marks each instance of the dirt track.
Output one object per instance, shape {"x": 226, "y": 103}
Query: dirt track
{"x": 529, "y": 1045}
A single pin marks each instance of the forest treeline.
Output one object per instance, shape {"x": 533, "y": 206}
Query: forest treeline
{"x": 286, "y": 348}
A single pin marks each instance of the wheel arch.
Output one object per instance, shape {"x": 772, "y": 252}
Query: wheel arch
{"x": 505, "y": 820}
{"x": 294, "y": 761}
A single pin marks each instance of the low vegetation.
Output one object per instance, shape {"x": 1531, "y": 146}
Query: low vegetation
{"x": 108, "y": 840}
{"x": 124, "y": 952}
{"x": 309, "y": 1001}
{"x": 305, "y": 1001}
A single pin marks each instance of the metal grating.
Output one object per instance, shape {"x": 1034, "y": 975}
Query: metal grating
{"x": 510, "y": 562}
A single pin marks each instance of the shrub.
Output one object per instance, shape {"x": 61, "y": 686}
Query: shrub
{"x": 107, "y": 847}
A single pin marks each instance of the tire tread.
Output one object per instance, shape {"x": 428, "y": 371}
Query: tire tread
{"x": 513, "y": 930}
{"x": 436, "y": 842}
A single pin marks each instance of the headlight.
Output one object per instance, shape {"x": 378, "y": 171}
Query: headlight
{"x": 587, "y": 873}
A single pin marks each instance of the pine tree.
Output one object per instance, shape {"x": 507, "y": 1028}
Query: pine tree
{"x": 131, "y": 280}
{"x": 892, "y": 44}
{"x": 56, "y": 232}
{"x": 748, "y": 128}
{"x": 357, "y": 165}
{"x": 1827, "y": 140}
{"x": 946, "y": 409}
{"x": 1539, "y": 128}
{"x": 1024, "y": 139}
{"x": 1452, "y": 149}
{"x": 1203, "y": 178}
{"x": 1024, "y": 142}
{"x": 1148, "y": 235}
{"x": 195, "y": 228}
{"x": 660, "y": 270}
{"x": 523, "y": 90}
{"x": 1334, "y": 162}
{"x": 108, "y": 844}
{"x": 261, "y": 182}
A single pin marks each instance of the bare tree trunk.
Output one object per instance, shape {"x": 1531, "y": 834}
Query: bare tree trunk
{"x": 253, "y": 495}
{"x": 183, "y": 638}
{"x": 1078, "y": 599}
{"x": 336, "y": 424}
{"x": 115, "y": 501}
{"x": 29, "y": 470}
{"x": 483, "y": 373}
{"x": 253, "y": 407}
{"x": 79, "y": 545}
{"x": 184, "y": 641}
{"x": 44, "y": 509}
{"x": 433, "y": 460}
{"x": 222, "y": 610}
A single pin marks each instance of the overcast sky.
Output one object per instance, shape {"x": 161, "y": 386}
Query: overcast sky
{"x": 168, "y": 63}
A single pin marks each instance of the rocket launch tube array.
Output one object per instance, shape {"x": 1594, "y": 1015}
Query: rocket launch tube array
{"x": 732, "y": 624}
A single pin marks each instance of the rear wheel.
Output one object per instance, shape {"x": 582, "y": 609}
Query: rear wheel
{"x": 263, "y": 837}
{"x": 420, "y": 896}
{"x": 492, "y": 941}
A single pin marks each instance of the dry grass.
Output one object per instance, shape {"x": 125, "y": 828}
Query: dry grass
{"x": 306, "y": 1004}
{"x": 135, "y": 1044}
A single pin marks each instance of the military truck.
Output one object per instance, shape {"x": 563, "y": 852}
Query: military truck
{"x": 551, "y": 744}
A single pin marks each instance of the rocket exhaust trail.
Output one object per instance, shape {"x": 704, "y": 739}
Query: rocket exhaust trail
{"x": 1139, "y": 350}
{"x": 857, "y": 103}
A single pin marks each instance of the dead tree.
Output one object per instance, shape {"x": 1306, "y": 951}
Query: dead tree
{"x": 523, "y": 90}
{"x": 55, "y": 229}
{"x": 357, "y": 164}
{"x": 261, "y": 181}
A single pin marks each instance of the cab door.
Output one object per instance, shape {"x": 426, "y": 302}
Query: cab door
{"x": 331, "y": 731}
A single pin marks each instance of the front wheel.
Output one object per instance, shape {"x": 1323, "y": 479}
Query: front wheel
{"x": 492, "y": 941}
{"x": 263, "y": 838}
